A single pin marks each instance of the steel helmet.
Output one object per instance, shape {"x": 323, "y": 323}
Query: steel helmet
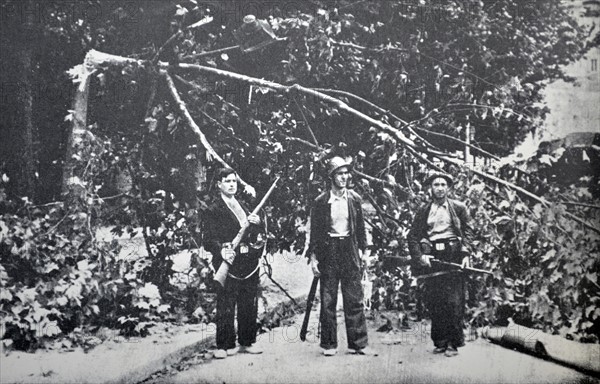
{"x": 336, "y": 163}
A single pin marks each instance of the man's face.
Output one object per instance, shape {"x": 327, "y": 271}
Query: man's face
{"x": 340, "y": 178}
{"x": 439, "y": 188}
{"x": 228, "y": 185}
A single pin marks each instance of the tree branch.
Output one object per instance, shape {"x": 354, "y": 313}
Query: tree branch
{"x": 186, "y": 114}
{"x": 522, "y": 191}
{"x": 299, "y": 89}
{"x": 361, "y": 48}
{"x": 197, "y": 24}
{"x": 405, "y": 124}
{"x": 97, "y": 58}
{"x": 459, "y": 141}
{"x": 209, "y": 53}
{"x": 310, "y": 131}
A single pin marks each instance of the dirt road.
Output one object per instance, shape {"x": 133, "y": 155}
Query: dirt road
{"x": 404, "y": 357}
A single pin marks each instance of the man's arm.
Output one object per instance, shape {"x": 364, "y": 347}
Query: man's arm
{"x": 361, "y": 231}
{"x": 466, "y": 225}
{"x": 211, "y": 237}
{"x": 415, "y": 235}
{"x": 312, "y": 248}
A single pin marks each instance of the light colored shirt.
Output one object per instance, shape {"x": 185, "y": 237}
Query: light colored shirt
{"x": 439, "y": 222}
{"x": 340, "y": 218}
{"x": 236, "y": 208}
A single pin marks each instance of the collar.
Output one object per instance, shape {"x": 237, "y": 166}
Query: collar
{"x": 442, "y": 204}
{"x": 231, "y": 202}
{"x": 333, "y": 197}
{"x": 227, "y": 199}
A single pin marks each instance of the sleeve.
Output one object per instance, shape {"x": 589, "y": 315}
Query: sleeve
{"x": 361, "y": 232}
{"x": 211, "y": 239}
{"x": 467, "y": 229}
{"x": 415, "y": 235}
{"x": 312, "y": 233}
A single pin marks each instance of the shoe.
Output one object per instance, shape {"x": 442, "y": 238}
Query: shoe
{"x": 232, "y": 351}
{"x": 438, "y": 350}
{"x": 220, "y": 354}
{"x": 366, "y": 351}
{"x": 251, "y": 349}
{"x": 329, "y": 352}
{"x": 451, "y": 351}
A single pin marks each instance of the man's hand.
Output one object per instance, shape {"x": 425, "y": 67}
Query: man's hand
{"x": 228, "y": 254}
{"x": 466, "y": 263}
{"x": 314, "y": 265}
{"x": 426, "y": 260}
{"x": 254, "y": 219}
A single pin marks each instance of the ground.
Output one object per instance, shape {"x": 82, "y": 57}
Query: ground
{"x": 404, "y": 357}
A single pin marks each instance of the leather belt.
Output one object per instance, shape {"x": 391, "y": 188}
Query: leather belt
{"x": 339, "y": 237}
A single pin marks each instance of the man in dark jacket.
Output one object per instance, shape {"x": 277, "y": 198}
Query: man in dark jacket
{"x": 224, "y": 218}
{"x": 441, "y": 230}
{"x": 338, "y": 246}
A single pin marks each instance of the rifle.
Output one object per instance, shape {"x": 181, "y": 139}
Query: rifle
{"x": 223, "y": 270}
{"x": 309, "y": 303}
{"x": 467, "y": 269}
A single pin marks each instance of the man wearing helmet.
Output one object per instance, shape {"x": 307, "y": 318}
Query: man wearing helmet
{"x": 441, "y": 230}
{"x": 338, "y": 246}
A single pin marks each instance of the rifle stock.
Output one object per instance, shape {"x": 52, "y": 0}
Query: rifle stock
{"x": 309, "y": 303}
{"x": 223, "y": 270}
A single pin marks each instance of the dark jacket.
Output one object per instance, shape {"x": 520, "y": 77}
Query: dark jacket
{"x": 460, "y": 222}
{"x": 320, "y": 223}
{"x": 221, "y": 226}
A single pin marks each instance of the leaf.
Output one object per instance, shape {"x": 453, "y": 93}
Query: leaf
{"x": 62, "y": 301}
{"x": 164, "y": 308}
{"x": 27, "y": 295}
{"x": 549, "y": 255}
{"x": 5, "y": 295}
{"x": 589, "y": 310}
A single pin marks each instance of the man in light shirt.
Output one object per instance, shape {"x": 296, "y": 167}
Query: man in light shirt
{"x": 337, "y": 249}
{"x": 441, "y": 229}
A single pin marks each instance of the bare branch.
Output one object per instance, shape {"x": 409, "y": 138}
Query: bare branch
{"x": 300, "y": 89}
{"x": 210, "y": 53}
{"x": 361, "y": 48}
{"x": 459, "y": 141}
{"x": 186, "y": 114}
{"x": 310, "y": 131}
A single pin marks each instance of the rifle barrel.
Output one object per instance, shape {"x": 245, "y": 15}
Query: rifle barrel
{"x": 469, "y": 269}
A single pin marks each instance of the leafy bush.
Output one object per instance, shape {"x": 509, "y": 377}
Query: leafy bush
{"x": 546, "y": 265}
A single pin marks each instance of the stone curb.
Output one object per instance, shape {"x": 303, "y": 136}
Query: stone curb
{"x": 153, "y": 367}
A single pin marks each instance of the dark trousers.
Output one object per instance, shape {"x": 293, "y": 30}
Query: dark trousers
{"x": 341, "y": 267}
{"x": 445, "y": 301}
{"x": 243, "y": 294}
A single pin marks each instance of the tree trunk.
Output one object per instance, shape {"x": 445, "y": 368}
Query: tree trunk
{"x": 78, "y": 126}
{"x": 24, "y": 128}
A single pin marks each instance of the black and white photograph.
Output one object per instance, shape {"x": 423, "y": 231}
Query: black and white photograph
{"x": 299, "y": 191}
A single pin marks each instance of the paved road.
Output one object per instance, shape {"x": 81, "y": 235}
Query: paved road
{"x": 404, "y": 357}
